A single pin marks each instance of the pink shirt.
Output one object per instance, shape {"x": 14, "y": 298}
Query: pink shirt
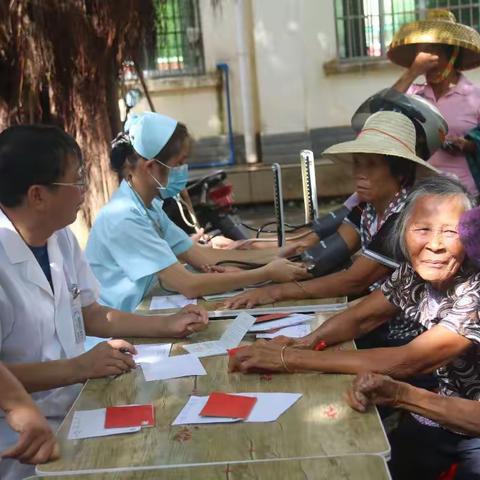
{"x": 461, "y": 108}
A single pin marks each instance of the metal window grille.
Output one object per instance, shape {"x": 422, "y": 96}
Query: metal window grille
{"x": 177, "y": 43}
{"x": 365, "y": 27}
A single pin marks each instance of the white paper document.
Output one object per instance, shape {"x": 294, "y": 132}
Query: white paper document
{"x": 152, "y": 352}
{"x": 173, "y": 367}
{"x": 90, "y": 423}
{"x": 230, "y": 338}
{"x": 296, "y": 331}
{"x": 206, "y": 349}
{"x": 295, "y": 319}
{"x": 268, "y": 408}
{"x": 171, "y": 301}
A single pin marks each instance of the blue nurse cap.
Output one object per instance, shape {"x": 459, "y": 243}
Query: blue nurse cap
{"x": 149, "y": 132}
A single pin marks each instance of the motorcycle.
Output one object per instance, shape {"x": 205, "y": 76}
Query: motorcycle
{"x": 213, "y": 210}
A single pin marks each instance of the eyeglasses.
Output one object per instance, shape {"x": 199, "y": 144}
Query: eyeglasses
{"x": 80, "y": 184}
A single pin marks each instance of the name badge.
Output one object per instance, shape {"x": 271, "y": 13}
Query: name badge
{"x": 78, "y": 325}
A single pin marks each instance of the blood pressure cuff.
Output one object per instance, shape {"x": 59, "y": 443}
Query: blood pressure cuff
{"x": 328, "y": 255}
{"x": 328, "y": 224}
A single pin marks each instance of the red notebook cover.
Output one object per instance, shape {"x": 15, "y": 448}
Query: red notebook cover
{"x": 130, "y": 416}
{"x": 225, "y": 405}
{"x": 271, "y": 316}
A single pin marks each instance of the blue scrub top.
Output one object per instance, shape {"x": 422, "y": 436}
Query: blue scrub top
{"x": 126, "y": 250}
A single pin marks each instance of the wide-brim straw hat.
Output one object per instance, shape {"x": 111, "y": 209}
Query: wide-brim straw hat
{"x": 440, "y": 27}
{"x": 384, "y": 133}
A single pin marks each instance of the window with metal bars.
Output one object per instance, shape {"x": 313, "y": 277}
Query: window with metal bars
{"x": 365, "y": 27}
{"x": 176, "y": 48}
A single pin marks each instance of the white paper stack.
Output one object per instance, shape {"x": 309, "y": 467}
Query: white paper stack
{"x": 173, "y": 367}
{"x": 171, "y": 301}
{"x": 231, "y": 338}
{"x": 90, "y": 423}
{"x": 152, "y": 352}
{"x": 295, "y": 331}
{"x": 295, "y": 319}
{"x": 268, "y": 408}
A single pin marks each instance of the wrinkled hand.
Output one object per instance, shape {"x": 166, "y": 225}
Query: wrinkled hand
{"x": 106, "y": 359}
{"x": 282, "y": 270}
{"x": 250, "y": 298}
{"x": 423, "y": 63}
{"x": 295, "y": 248}
{"x": 190, "y": 319}
{"x": 261, "y": 355}
{"x": 304, "y": 343}
{"x": 222, "y": 242}
{"x": 36, "y": 443}
{"x": 460, "y": 145}
{"x": 373, "y": 389}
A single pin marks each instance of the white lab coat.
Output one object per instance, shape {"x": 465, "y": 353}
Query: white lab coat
{"x": 38, "y": 325}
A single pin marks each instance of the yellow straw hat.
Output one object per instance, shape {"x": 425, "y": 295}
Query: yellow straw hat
{"x": 384, "y": 133}
{"x": 440, "y": 27}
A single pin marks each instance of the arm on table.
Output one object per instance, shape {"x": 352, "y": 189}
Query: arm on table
{"x": 36, "y": 443}
{"x": 425, "y": 353}
{"x": 454, "y": 413}
{"x": 193, "y": 285}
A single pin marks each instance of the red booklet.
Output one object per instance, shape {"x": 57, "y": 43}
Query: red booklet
{"x": 271, "y": 316}
{"x": 130, "y": 416}
{"x": 226, "y": 405}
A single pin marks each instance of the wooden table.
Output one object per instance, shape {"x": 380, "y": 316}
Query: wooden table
{"x": 215, "y": 307}
{"x": 351, "y": 467}
{"x": 320, "y": 424}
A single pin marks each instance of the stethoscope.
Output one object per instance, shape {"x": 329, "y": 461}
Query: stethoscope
{"x": 154, "y": 222}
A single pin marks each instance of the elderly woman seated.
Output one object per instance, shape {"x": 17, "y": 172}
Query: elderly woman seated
{"x": 436, "y": 287}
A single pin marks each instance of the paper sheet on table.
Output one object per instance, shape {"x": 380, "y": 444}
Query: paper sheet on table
{"x": 171, "y": 301}
{"x": 296, "y": 331}
{"x": 90, "y": 423}
{"x": 173, "y": 367}
{"x": 231, "y": 338}
{"x": 219, "y": 296}
{"x": 152, "y": 352}
{"x": 268, "y": 408}
{"x": 295, "y": 319}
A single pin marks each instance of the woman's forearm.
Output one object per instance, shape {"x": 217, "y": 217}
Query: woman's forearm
{"x": 12, "y": 394}
{"x": 40, "y": 376}
{"x": 404, "y": 82}
{"x": 198, "y": 284}
{"x": 369, "y": 313}
{"x": 454, "y": 413}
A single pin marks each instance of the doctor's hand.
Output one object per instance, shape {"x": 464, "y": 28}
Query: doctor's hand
{"x": 36, "y": 443}
{"x": 190, "y": 319}
{"x": 250, "y": 298}
{"x": 282, "y": 270}
{"x": 112, "y": 357}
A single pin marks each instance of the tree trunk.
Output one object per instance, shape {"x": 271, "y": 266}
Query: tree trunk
{"x": 60, "y": 62}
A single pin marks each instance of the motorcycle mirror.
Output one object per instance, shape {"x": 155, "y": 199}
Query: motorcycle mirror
{"x": 132, "y": 97}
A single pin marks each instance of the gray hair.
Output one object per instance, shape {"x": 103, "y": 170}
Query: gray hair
{"x": 439, "y": 185}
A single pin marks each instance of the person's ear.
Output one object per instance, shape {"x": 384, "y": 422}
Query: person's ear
{"x": 37, "y": 197}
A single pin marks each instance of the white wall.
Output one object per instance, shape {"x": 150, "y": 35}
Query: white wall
{"x": 291, "y": 41}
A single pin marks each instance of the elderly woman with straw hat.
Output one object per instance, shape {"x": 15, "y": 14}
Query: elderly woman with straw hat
{"x": 436, "y": 287}
{"x": 440, "y": 48}
{"x": 385, "y": 167}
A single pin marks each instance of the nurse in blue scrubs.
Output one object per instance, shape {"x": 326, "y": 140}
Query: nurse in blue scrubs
{"x": 133, "y": 245}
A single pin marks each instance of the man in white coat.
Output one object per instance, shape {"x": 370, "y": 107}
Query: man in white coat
{"x": 49, "y": 298}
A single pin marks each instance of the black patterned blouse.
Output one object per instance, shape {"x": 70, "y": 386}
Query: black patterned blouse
{"x": 456, "y": 310}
